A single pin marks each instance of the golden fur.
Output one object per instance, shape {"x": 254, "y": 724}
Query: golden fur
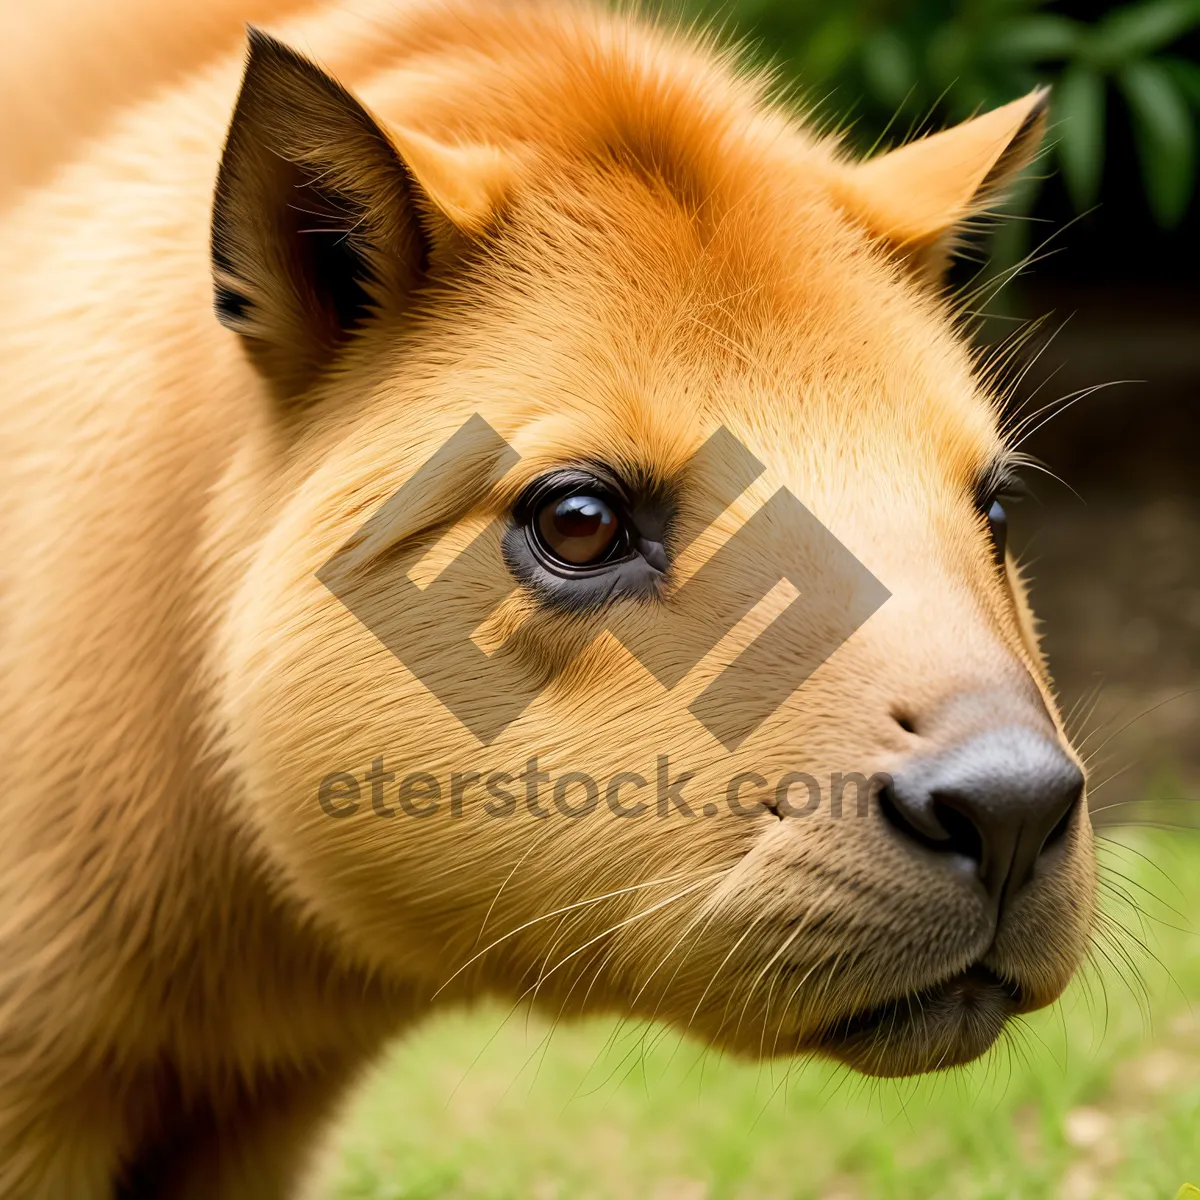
{"x": 623, "y": 245}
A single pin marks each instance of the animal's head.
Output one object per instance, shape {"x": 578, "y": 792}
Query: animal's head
{"x": 701, "y": 514}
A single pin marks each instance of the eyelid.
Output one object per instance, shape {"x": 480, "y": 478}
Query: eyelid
{"x": 1000, "y": 480}
{"x": 594, "y": 479}
{"x": 1009, "y": 489}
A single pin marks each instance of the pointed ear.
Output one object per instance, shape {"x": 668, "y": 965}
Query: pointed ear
{"x": 322, "y": 220}
{"x": 918, "y": 196}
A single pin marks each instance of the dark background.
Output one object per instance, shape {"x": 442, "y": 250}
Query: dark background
{"x": 1111, "y": 215}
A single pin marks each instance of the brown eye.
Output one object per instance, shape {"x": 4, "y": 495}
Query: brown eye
{"x": 579, "y": 530}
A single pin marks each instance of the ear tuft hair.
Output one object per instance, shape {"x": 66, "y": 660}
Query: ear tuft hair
{"x": 916, "y": 197}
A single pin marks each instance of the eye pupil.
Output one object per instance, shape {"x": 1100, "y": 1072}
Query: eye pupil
{"x": 579, "y": 530}
{"x": 581, "y": 516}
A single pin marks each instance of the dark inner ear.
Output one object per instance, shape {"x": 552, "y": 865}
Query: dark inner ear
{"x": 314, "y": 226}
{"x": 327, "y": 264}
{"x": 338, "y": 271}
{"x": 320, "y": 226}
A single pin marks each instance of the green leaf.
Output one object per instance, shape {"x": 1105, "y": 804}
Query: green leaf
{"x": 1133, "y": 30}
{"x": 888, "y": 66}
{"x": 829, "y": 47}
{"x": 1189, "y": 1191}
{"x": 1166, "y": 138}
{"x": 1037, "y": 38}
{"x": 948, "y": 55}
{"x": 1187, "y": 76}
{"x": 1079, "y": 125}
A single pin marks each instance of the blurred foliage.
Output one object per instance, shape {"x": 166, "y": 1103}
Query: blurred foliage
{"x": 889, "y": 67}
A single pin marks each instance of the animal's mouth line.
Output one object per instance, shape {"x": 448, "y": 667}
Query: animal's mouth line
{"x": 971, "y": 988}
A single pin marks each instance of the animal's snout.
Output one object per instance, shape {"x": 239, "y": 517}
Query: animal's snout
{"x": 990, "y": 803}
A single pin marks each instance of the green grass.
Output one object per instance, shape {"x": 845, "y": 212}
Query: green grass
{"x": 1097, "y": 1097}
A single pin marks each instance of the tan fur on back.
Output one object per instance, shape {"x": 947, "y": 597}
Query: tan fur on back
{"x": 195, "y": 963}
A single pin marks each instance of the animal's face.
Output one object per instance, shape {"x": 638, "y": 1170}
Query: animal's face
{"x": 686, "y": 844}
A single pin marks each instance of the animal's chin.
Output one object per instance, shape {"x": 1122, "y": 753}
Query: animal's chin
{"x": 941, "y": 1026}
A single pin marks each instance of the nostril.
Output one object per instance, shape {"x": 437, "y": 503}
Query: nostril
{"x": 1064, "y": 823}
{"x": 896, "y": 819}
{"x": 943, "y": 828}
{"x": 898, "y": 816}
{"x": 963, "y": 836}
{"x": 904, "y": 721}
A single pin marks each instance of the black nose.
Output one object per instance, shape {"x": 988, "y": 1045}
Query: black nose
{"x": 998, "y": 798}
